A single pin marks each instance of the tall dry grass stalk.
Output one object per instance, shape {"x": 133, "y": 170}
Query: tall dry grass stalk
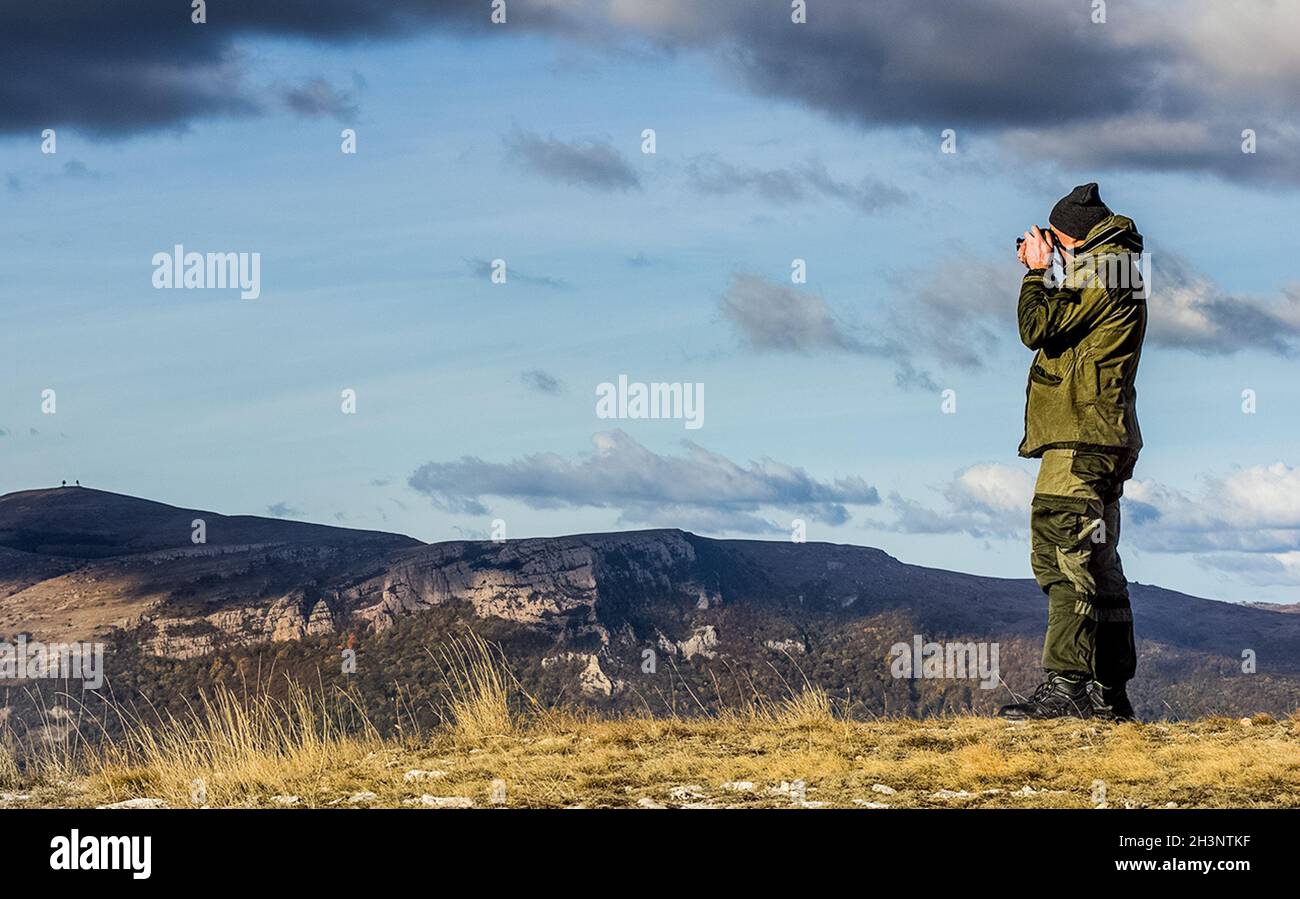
{"x": 49, "y": 749}
{"x": 10, "y": 774}
{"x": 482, "y": 693}
{"x": 808, "y": 706}
{"x": 811, "y": 707}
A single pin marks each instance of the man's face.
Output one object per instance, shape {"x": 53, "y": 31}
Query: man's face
{"x": 1064, "y": 240}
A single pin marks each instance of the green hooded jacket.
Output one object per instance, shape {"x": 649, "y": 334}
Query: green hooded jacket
{"x": 1087, "y": 332}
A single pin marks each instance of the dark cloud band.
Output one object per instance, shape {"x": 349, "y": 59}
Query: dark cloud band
{"x": 1162, "y": 85}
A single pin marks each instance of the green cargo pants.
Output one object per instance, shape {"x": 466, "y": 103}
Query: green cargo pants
{"x": 1074, "y": 525}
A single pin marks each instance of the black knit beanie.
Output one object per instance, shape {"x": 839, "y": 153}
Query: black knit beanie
{"x": 1078, "y": 212}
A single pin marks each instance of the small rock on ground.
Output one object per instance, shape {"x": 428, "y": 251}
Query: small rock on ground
{"x": 690, "y": 791}
{"x": 428, "y": 801}
{"x": 785, "y": 788}
{"x": 951, "y": 794}
{"x": 416, "y": 774}
{"x": 141, "y": 802}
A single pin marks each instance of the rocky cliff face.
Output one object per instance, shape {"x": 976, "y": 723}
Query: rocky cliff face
{"x": 576, "y": 589}
{"x": 188, "y": 600}
{"x": 290, "y": 617}
{"x": 560, "y": 584}
{"x": 536, "y": 582}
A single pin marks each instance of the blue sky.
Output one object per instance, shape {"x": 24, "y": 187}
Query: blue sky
{"x": 371, "y": 280}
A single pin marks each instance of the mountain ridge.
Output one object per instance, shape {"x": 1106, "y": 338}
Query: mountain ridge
{"x": 101, "y": 524}
{"x": 578, "y": 611}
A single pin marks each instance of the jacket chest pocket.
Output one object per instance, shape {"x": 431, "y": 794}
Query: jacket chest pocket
{"x": 1040, "y": 375}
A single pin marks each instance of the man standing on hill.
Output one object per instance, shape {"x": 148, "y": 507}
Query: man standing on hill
{"x": 1083, "y": 310}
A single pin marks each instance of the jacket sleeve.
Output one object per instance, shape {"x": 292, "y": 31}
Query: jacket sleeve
{"x": 1056, "y": 315}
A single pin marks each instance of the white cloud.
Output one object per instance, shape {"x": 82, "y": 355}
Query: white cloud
{"x": 1189, "y": 311}
{"x": 1246, "y": 522}
{"x": 1261, "y": 570}
{"x": 985, "y": 500}
{"x": 700, "y": 488}
{"x": 992, "y": 489}
{"x": 1250, "y": 510}
{"x": 772, "y": 316}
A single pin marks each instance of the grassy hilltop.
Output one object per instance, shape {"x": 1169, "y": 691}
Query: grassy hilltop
{"x": 495, "y": 748}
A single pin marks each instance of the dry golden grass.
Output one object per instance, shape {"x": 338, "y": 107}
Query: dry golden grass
{"x": 497, "y": 748}
{"x": 573, "y": 760}
{"x": 480, "y": 686}
{"x": 10, "y": 775}
{"x": 223, "y": 748}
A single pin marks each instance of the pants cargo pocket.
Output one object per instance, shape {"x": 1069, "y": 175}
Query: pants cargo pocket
{"x": 1062, "y": 546}
{"x": 1075, "y": 564}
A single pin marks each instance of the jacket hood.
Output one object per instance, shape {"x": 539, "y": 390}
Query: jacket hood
{"x": 1112, "y": 231}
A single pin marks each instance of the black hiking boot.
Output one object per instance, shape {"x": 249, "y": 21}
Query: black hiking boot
{"x": 1110, "y": 703}
{"x": 1059, "y": 697}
